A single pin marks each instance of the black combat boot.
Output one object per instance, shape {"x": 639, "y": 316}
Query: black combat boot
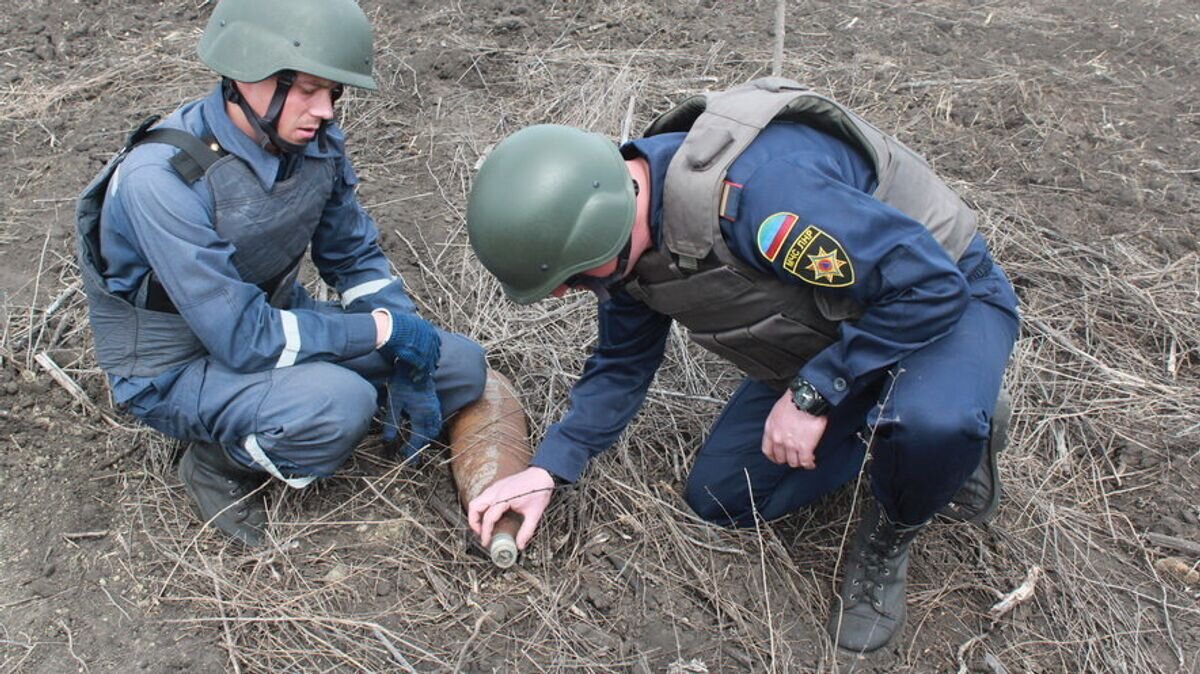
{"x": 979, "y": 497}
{"x": 219, "y": 487}
{"x": 870, "y": 608}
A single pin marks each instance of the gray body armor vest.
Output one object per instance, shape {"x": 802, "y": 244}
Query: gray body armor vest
{"x": 766, "y": 327}
{"x": 269, "y": 229}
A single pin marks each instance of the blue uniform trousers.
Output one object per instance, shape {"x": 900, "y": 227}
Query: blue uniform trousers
{"x": 930, "y": 414}
{"x": 306, "y": 418}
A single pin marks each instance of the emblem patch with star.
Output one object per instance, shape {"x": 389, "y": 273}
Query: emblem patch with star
{"x": 817, "y": 258}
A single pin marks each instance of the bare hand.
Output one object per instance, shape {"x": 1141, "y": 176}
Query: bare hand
{"x": 527, "y": 493}
{"x": 791, "y": 436}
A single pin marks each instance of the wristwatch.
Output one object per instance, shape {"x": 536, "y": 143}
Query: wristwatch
{"x": 807, "y": 398}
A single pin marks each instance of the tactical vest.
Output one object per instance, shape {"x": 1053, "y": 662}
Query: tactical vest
{"x": 766, "y": 327}
{"x": 270, "y": 231}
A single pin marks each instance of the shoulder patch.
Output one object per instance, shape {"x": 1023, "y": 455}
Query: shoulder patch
{"x": 773, "y": 232}
{"x": 817, "y": 258}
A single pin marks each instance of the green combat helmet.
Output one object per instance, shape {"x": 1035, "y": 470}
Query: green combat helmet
{"x": 250, "y": 40}
{"x": 549, "y": 202}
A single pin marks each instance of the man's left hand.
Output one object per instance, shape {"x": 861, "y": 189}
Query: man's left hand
{"x": 791, "y": 436}
{"x": 418, "y": 402}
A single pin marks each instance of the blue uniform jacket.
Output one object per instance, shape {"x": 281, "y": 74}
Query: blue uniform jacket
{"x": 153, "y": 219}
{"x": 913, "y": 293}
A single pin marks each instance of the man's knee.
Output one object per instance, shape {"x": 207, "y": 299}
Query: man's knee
{"x": 348, "y": 407}
{"x": 711, "y": 503}
{"x": 462, "y": 372}
{"x": 942, "y": 433}
{"x": 331, "y": 409}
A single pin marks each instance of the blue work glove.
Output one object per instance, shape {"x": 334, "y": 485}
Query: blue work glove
{"x": 417, "y": 401}
{"x": 415, "y": 342}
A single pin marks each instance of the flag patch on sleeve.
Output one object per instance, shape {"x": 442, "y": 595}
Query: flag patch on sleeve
{"x": 773, "y": 232}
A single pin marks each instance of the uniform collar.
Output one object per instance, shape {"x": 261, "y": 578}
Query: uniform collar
{"x": 235, "y": 141}
{"x": 658, "y": 152}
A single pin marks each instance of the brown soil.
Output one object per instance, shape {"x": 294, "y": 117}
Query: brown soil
{"x": 1072, "y": 127}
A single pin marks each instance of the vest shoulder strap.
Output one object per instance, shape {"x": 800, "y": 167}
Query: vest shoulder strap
{"x": 719, "y": 128}
{"x": 196, "y": 155}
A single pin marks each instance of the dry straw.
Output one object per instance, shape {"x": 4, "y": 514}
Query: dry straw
{"x": 371, "y": 570}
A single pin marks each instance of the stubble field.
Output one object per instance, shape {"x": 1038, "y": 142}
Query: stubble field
{"x": 1071, "y": 127}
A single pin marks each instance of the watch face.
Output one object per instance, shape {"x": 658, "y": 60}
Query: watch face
{"x": 806, "y": 398}
{"x": 803, "y": 396}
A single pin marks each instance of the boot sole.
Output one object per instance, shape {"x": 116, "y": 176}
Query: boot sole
{"x": 997, "y": 442}
{"x": 831, "y": 629}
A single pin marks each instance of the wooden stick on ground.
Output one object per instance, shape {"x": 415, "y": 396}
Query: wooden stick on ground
{"x": 777, "y": 61}
{"x": 64, "y": 380}
{"x": 1174, "y": 542}
{"x": 1018, "y": 596}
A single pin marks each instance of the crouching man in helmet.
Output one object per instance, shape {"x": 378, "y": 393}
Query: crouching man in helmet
{"x": 189, "y": 242}
{"x": 817, "y": 254}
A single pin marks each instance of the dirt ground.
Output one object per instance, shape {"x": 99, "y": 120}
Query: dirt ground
{"x": 1072, "y": 127}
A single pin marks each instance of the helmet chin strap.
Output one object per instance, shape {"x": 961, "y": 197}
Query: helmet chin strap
{"x": 603, "y": 286}
{"x": 616, "y": 278}
{"x": 266, "y": 127}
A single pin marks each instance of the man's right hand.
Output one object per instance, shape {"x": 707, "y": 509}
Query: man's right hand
{"x": 527, "y": 493}
{"x": 790, "y": 437}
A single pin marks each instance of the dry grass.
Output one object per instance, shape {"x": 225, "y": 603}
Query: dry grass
{"x": 370, "y": 571}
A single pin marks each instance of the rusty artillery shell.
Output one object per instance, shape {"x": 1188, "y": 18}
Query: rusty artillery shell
{"x": 489, "y": 440}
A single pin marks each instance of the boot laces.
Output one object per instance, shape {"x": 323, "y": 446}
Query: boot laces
{"x": 238, "y": 490}
{"x": 236, "y": 487}
{"x": 872, "y": 565}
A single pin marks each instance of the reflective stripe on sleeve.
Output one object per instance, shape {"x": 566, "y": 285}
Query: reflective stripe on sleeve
{"x": 260, "y": 457}
{"x": 364, "y": 289}
{"x": 291, "y": 336}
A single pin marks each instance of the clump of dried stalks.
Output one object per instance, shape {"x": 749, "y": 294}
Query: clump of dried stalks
{"x": 371, "y": 569}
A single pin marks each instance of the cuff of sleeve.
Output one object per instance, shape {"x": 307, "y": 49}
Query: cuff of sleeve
{"x": 560, "y": 463}
{"x": 360, "y": 334}
{"x": 828, "y": 379}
